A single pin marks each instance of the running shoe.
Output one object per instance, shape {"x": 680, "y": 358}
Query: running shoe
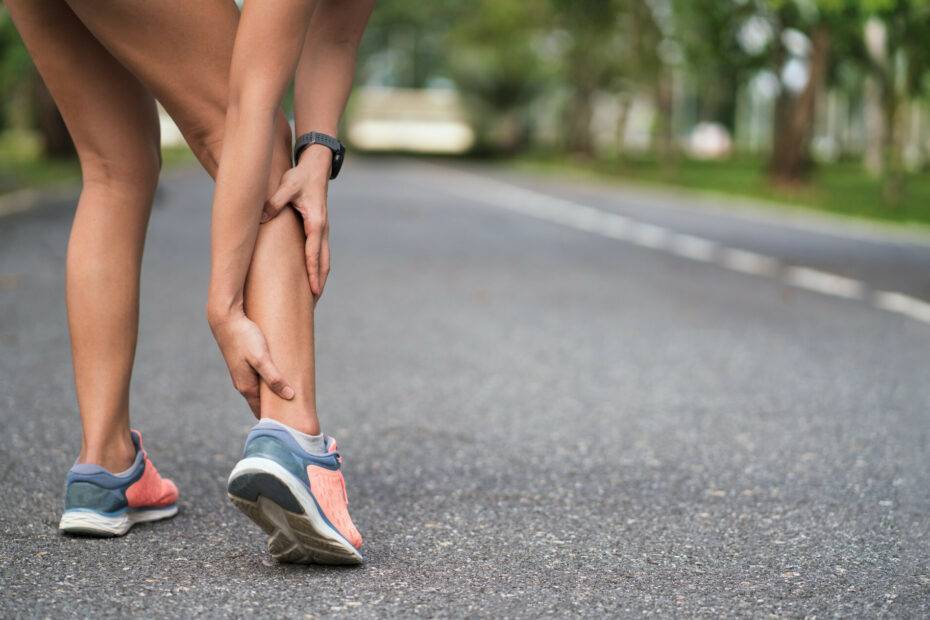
{"x": 298, "y": 498}
{"x": 100, "y": 503}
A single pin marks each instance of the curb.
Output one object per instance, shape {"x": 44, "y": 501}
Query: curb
{"x": 26, "y": 199}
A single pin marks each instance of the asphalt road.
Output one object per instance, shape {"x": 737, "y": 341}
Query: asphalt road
{"x": 538, "y": 418}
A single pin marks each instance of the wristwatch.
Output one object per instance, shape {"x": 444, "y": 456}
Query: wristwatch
{"x": 334, "y": 145}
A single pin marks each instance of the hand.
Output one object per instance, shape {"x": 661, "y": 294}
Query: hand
{"x": 247, "y": 357}
{"x": 304, "y": 188}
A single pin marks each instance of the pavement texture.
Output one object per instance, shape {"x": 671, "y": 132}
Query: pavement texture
{"x": 536, "y": 420}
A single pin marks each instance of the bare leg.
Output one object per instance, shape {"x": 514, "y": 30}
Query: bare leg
{"x": 183, "y": 55}
{"x": 112, "y": 120}
{"x": 278, "y": 299}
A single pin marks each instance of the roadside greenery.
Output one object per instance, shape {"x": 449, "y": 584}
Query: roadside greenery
{"x": 509, "y": 57}
{"x": 539, "y": 75}
{"x": 839, "y": 188}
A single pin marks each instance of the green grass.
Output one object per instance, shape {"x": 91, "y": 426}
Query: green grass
{"x": 840, "y": 188}
{"x": 22, "y": 165}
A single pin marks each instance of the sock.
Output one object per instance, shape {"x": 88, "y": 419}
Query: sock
{"x": 314, "y": 444}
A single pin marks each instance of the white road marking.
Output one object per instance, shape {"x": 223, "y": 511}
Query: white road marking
{"x": 903, "y": 304}
{"x": 615, "y": 226}
{"x": 748, "y": 262}
{"x": 649, "y": 236}
{"x": 823, "y": 282}
{"x": 695, "y": 248}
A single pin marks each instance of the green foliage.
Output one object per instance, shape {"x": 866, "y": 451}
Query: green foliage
{"x": 838, "y": 188}
{"x": 403, "y": 44}
{"x": 16, "y": 72}
{"x": 495, "y": 54}
{"x": 708, "y": 33}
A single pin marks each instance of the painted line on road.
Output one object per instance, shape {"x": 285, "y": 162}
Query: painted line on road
{"x": 824, "y": 282}
{"x": 695, "y": 248}
{"x": 589, "y": 219}
{"x": 752, "y": 263}
{"x": 903, "y": 304}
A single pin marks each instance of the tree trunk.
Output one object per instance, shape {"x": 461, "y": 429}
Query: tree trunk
{"x": 56, "y": 141}
{"x": 623, "y": 115}
{"x": 578, "y": 123}
{"x": 875, "y": 128}
{"x": 665, "y": 129}
{"x": 896, "y": 121}
{"x": 791, "y": 160}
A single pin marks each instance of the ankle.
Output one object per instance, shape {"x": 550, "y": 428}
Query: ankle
{"x": 115, "y": 453}
{"x": 303, "y": 422}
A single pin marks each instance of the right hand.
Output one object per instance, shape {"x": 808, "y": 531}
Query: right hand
{"x": 247, "y": 356}
{"x": 304, "y": 188}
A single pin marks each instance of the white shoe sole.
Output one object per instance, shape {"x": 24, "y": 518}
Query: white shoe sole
{"x": 297, "y": 531}
{"x": 92, "y": 523}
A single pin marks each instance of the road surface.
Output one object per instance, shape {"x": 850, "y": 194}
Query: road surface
{"x": 553, "y": 398}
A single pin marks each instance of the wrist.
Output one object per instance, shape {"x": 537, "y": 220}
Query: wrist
{"x": 221, "y": 308}
{"x": 316, "y": 159}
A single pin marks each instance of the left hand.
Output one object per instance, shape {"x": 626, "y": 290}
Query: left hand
{"x": 304, "y": 187}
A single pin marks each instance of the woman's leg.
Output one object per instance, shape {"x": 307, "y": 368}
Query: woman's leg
{"x": 278, "y": 299}
{"x": 113, "y": 122}
{"x": 182, "y": 52}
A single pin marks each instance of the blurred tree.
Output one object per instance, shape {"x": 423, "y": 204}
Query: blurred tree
{"x": 897, "y": 37}
{"x": 593, "y": 54}
{"x": 15, "y": 68}
{"x": 816, "y": 25}
{"x": 26, "y": 102}
{"x": 651, "y": 60}
{"x": 495, "y": 54}
{"x": 708, "y": 32}
{"x": 403, "y": 44}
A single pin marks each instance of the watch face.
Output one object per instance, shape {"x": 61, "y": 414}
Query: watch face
{"x": 338, "y": 156}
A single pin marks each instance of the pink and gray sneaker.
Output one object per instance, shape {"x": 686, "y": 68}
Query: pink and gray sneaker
{"x": 100, "y": 503}
{"x": 298, "y": 498}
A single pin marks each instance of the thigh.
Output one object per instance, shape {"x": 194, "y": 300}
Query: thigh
{"x": 181, "y": 50}
{"x": 111, "y": 116}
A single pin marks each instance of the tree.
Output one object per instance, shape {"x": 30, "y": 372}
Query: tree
{"x": 593, "y": 51}
{"x": 708, "y": 33}
{"x": 897, "y": 38}
{"x": 403, "y": 44}
{"x": 27, "y": 103}
{"x": 822, "y": 23}
{"x": 494, "y": 55}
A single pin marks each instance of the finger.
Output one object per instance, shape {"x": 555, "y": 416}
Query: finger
{"x": 255, "y": 405}
{"x": 280, "y": 199}
{"x": 248, "y": 387}
{"x": 314, "y": 232}
{"x": 324, "y": 259}
{"x": 273, "y": 377}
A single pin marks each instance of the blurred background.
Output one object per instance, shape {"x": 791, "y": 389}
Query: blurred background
{"x": 572, "y": 376}
{"x": 820, "y": 103}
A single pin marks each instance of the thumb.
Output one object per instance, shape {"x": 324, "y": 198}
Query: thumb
{"x": 273, "y": 377}
{"x": 277, "y": 202}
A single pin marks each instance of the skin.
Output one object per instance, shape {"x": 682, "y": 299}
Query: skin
{"x": 259, "y": 75}
{"x": 103, "y": 61}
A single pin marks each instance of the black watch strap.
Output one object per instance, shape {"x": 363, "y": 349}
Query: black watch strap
{"x": 315, "y": 137}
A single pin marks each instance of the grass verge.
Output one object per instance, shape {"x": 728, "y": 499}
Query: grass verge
{"x": 839, "y": 188}
{"x": 22, "y": 165}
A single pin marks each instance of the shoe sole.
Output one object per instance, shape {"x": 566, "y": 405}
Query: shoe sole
{"x": 281, "y": 505}
{"x": 90, "y": 523}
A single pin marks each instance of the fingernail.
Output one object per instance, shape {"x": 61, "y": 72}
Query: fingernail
{"x": 288, "y": 393}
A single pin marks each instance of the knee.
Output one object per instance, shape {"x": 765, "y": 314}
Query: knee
{"x": 206, "y": 142}
{"x": 136, "y": 171}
